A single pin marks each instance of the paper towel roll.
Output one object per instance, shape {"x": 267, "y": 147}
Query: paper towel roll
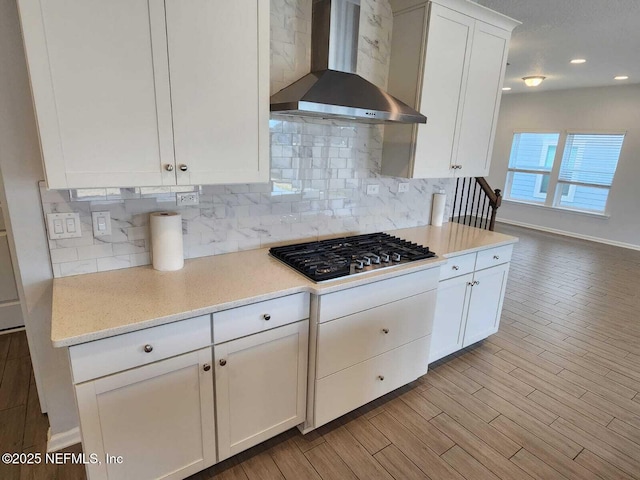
{"x": 166, "y": 241}
{"x": 437, "y": 209}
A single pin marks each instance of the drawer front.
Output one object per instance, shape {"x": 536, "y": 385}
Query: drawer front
{"x": 351, "y": 388}
{"x": 357, "y": 299}
{"x": 494, "y": 256}
{"x": 258, "y": 317}
{"x": 457, "y": 266}
{"x": 363, "y": 335}
{"x": 115, "y": 354}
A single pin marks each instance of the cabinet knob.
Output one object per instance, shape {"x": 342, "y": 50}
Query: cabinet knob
{"x": 183, "y": 168}
{"x": 266, "y": 316}
{"x": 476, "y": 282}
{"x": 455, "y": 267}
{"x": 496, "y": 257}
{"x": 148, "y": 348}
{"x": 168, "y": 167}
{"x": 222, "y": 362}
{"x": 381, "y": 378}
{"x": 385, "y": 330}
{"x": 470, "y": 284}
{"x": 206, "y": 367}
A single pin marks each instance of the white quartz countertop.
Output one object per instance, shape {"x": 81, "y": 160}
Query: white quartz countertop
{"x": 99, "y": 305}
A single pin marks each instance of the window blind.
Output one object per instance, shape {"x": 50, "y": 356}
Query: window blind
{"x": 590, "y": 159}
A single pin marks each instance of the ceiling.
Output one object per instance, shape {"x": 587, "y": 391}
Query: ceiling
{"x": 604, "y": 32}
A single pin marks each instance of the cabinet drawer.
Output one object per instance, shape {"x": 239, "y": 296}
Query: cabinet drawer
{"x": 494, "y": 256}
{"x": 114, "y": 354}
{"x": 258, "y": 317}
{"x": 351, "y": 388}
{"x": 363, "y": 335}
{"x": 457, "y": 266}
{"x": 357, "y": 299}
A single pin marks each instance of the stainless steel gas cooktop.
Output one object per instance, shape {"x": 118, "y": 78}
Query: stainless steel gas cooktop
{"x": 339, "y": 257}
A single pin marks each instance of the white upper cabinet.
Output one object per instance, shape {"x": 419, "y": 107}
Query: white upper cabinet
{"x": 219, "y": 70}
{"x": 452, "y": 72}
{"x": 111, "y": 80}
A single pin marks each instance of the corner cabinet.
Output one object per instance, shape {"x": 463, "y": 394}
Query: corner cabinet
{"x": 448, "y": 60}
{"x": 179, "y": 96}
{"x": 470, "y": 296}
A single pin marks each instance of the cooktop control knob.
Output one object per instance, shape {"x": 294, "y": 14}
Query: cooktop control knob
{"x": 366, "y": 260}
{"x": 375, "y": 259}
{"x": 359, "y": 264}
{"x": 384, "y": 257}
{"x": 396, "y": 257}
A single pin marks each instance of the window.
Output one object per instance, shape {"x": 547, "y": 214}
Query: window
{"x": 530, "y": 165}
{"x": 582, "y": 180}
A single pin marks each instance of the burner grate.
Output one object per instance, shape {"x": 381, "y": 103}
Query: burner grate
{"x": 329, "y": 259}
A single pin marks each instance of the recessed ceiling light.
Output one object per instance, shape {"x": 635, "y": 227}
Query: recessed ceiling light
{"x": 621, "y": 77}
{"x": 578, "y": 60}
{"x": 506, "y": 89}
{"x": 533, "y": 81}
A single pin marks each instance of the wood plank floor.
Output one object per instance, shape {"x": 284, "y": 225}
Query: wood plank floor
{"x": 553, "y": 395}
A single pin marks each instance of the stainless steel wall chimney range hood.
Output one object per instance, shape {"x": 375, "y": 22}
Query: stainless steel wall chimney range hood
{"x": 333, "y": 89}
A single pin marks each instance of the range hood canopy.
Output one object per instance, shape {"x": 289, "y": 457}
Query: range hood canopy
{"x": 333, "y": 89}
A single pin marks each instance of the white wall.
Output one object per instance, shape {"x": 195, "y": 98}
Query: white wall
{"x": 583, "y": 109}
{"x": 21, "y": 170}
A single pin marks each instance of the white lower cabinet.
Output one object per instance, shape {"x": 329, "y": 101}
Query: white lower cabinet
{"x": 469, "y": 306}
{"x": 367, "y": 341}
{"x": 158, "y": 417}
{"x": 261, "y": 383}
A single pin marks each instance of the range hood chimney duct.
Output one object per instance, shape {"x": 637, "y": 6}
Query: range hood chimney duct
{"x": 333, "y": 89}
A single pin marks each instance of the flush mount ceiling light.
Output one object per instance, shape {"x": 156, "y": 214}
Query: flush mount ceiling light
{"x": 621, "y": 77}
{"x": 506, "y": 89}
{"x": 578, "y": 60}
{"x": 533, "y": 81}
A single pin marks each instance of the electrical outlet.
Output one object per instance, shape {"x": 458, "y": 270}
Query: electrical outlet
{"x": 64, "y": 225}
{"x": 190, "y": 198}
{"x": 101, "y": 224}
{"x": 373, "y": 189}
{"x": 403, "y": 187}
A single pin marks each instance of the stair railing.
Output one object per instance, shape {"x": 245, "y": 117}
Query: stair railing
{"x": 475, "y": 203}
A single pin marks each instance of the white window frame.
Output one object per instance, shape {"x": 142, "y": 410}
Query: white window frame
{"x": 537, "y": 190}
{"x": 553, "y": 197}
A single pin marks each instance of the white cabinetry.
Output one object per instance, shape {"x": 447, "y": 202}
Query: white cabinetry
{"x": 261, "y": 383}
{"x": 261, "y": 371}
{"x": 119, "y": 85}
{"x": 469, "y": 303}
{"x": 448, "y": 60}
{"x": 160, "y": 416}
{"x": 367, "y": 341}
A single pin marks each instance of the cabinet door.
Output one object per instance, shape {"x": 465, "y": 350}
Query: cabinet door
{"x": 450, "y": 316}
{"x": 219, "y": 68}
{"x": 99, "y": 77}
{"x": 159, "y": 418}
{"x": 448, "y": 48}
{"x": 485, "y": 304}
{"x": 261, "y": 383}
{"x": 482, "y": 99}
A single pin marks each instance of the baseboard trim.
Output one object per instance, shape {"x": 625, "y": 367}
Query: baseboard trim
{"x": 564, "y": 233}
{"x": 63, "y": 440}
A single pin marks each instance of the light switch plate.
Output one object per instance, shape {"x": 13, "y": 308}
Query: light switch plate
{"x": 63, "y": 225}
{"x": 101, "y": 223}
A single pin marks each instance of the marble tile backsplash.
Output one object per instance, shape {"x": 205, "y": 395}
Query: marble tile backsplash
{"x": 319, "y": 176}
{"x": 320, "y": 172}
